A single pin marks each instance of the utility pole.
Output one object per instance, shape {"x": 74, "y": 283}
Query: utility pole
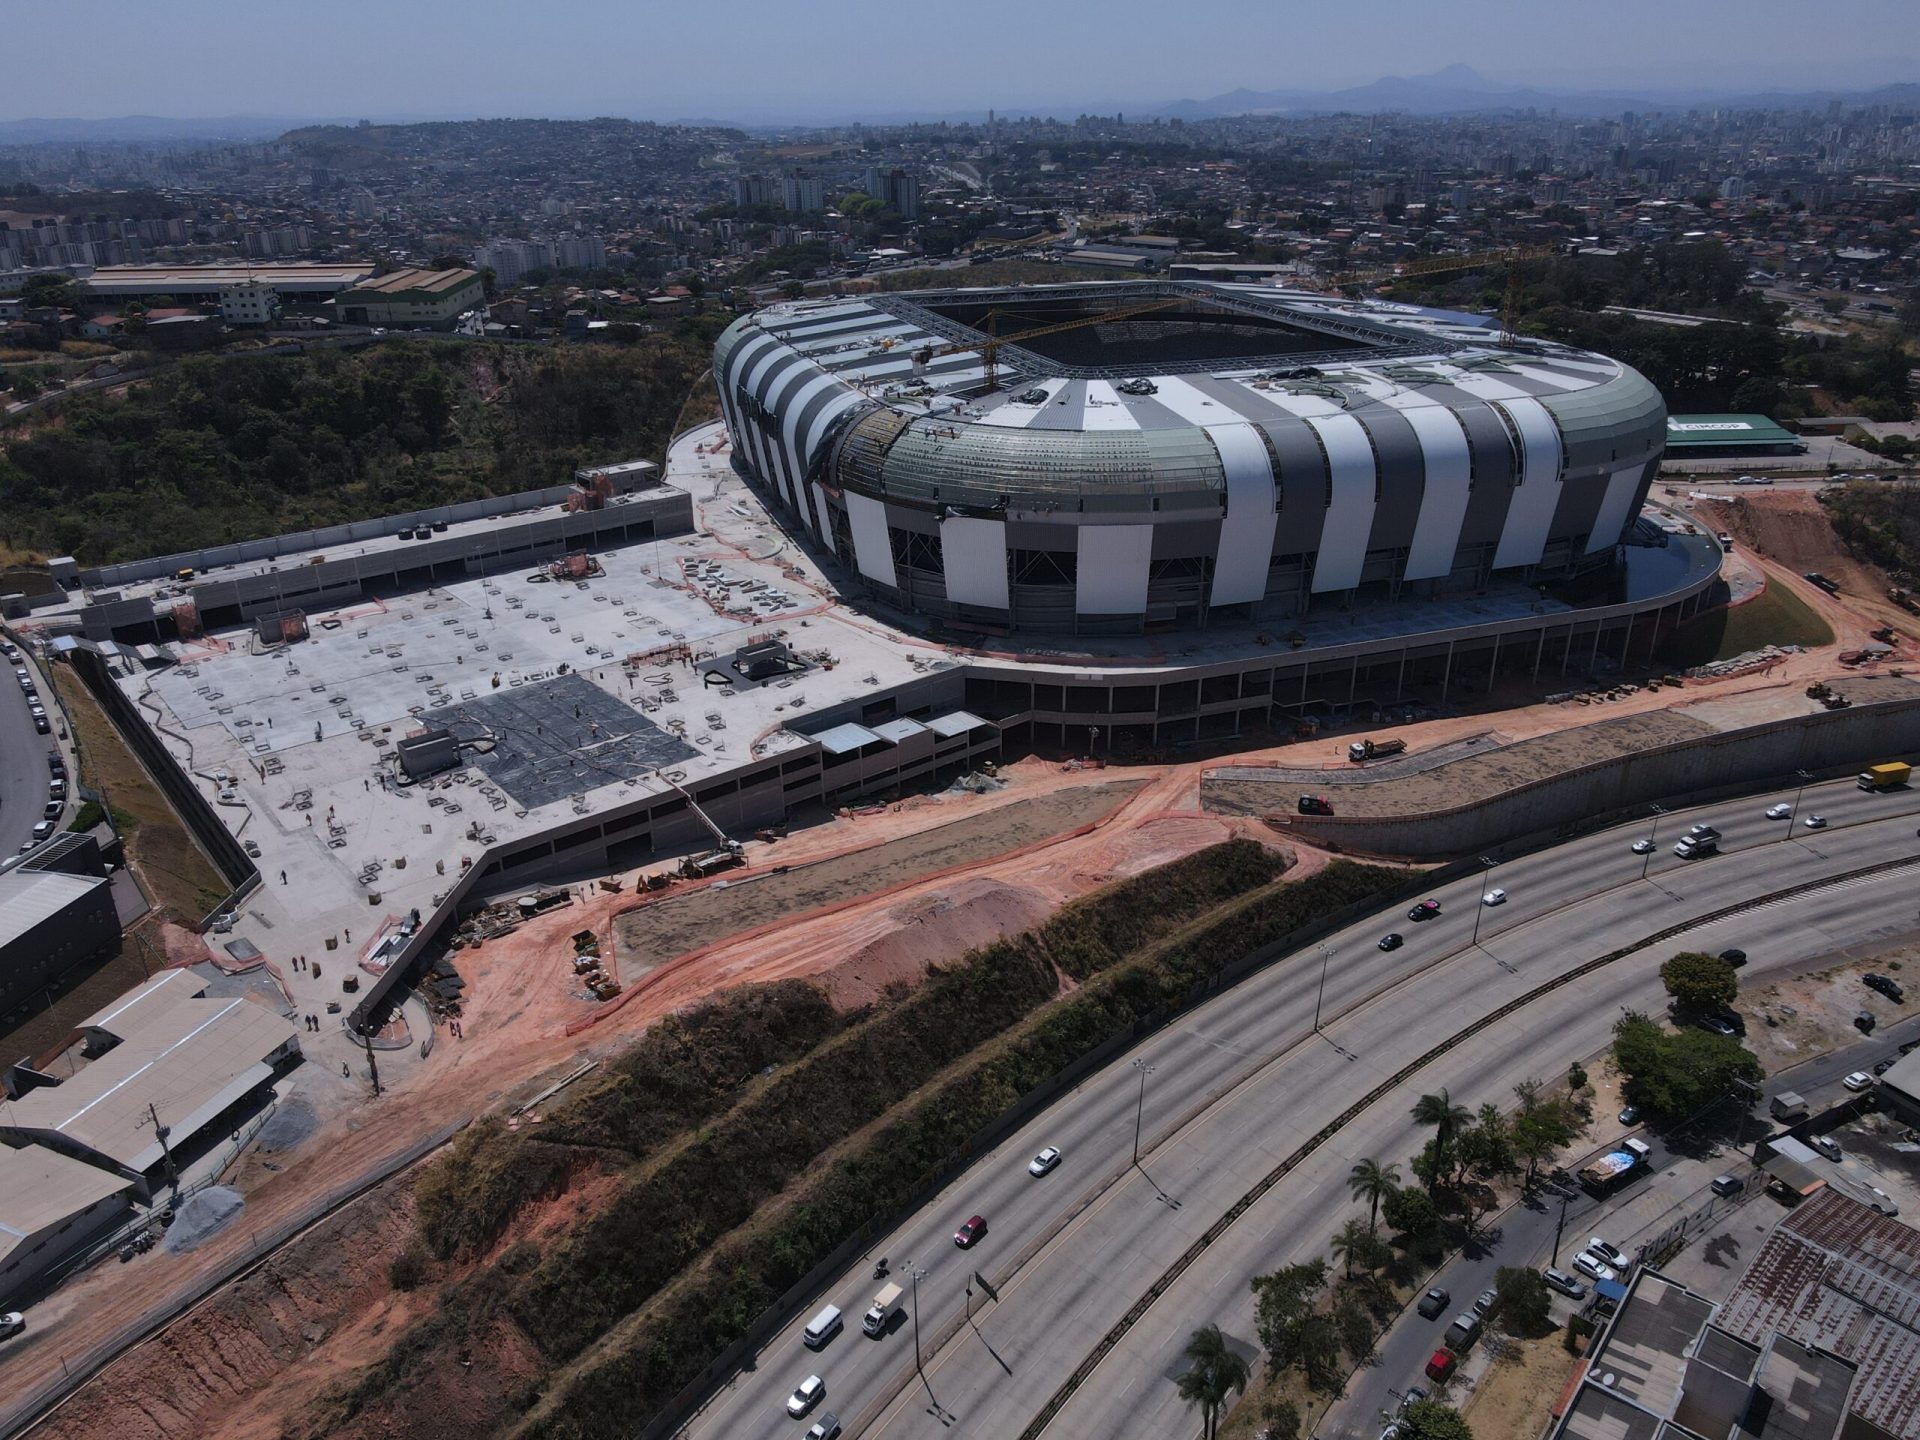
{"x": 1793, "y": 817}
{"x": 373, "y": 1066}
{"x": 1560, "y": 1228}
{"x": 1140, "y": 1105}
{"x": 160, "y": 1133}
{"x": 916, "y": 1275}
{"x": 1487, "y": 863}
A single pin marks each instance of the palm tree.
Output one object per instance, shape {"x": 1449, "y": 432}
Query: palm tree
{"x": 1351, "y": 1241}
{"x": 1373, "y": 1182}
{"x": 1440, "y": 1112}
{"x": 1216, "y": 1373}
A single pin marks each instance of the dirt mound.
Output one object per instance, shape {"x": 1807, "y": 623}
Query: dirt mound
{"x": 1791, "y": 528}
{"x": 933, "y": 928}
{"x": 202, "y": 1217}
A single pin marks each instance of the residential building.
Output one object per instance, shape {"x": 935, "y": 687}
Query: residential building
{"x": 803, "y": 192}
{"x": 251, "y": 302}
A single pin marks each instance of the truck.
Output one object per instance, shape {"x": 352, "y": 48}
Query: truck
{"x": 880, "y": 1314}
{"x": 1692, "y": 847}
{"x": 1788, "y": 1107}
{"x": 1613, "y": 1169}
{"x": 1890, "y": 775}
{"x": 1374, "y": 749}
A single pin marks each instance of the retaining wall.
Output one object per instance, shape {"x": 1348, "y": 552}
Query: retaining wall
{"x": 1828, "y": 744}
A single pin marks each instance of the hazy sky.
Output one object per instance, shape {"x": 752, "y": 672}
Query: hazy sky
{"x": 833, "y": 59}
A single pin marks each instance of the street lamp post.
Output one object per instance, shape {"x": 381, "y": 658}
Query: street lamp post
{"x": 1793, "y": 819}
{"x": 1652, "y": 832}
{"x": 1140, "y": 1105}
{"x": 1326, "y": 955}
{"x": 1487, "y": 862}
{"x": 916, "y": 1275}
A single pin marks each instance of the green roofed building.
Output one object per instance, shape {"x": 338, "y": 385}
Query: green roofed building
{"x": 412, "y": 299}
{"x": 1704, "y": 436}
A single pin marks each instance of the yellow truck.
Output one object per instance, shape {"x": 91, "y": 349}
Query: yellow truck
{"x": 1890, "y": 776}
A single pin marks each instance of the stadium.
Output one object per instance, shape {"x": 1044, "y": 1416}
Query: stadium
{"x": 1115, "y": 457}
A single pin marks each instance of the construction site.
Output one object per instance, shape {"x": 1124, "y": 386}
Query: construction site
{"x": 608, "y": 772}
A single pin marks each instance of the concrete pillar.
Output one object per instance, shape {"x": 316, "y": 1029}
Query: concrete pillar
{"x": 1594, "y": 662}
{"x": 1493, "y": 666}
{"x": 1400, "y": 676}
{"x": 1539, "y": 650}
{"x": 1353, "y": 681}
{"x": 1446, "y": 675}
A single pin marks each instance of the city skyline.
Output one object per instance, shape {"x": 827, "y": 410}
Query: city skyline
{"x": 487, "y": 60}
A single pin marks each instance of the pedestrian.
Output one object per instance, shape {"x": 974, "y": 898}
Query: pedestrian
{"x": 345, "y": 1073}
{"x": 283, "y": 877}
{"x": 309, "y": 822}
{"x": 366, "y": 785}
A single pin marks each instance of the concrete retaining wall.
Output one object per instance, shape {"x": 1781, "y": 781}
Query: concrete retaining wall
{"x": 1833, "y": 742}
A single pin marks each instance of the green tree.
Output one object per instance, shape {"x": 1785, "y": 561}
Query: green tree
{"x": 1350, "y": 1243}
{"x": 1281, "y": 1419}
{"x": 1283, "y": 1305}
{"x": 1373, "y": 1182}
{"x": 1439, "y": 1111}
{"x": 1541, "y": 1128}
{"x": 1675, "y": 1075}
{"x": 1700, "y": 982}
{"x": 1410, "y": 1212}
{"x": 1213, "y": 1373}
{"x": 1430, "y": 1420}
{"x": 1523, "y": 1302}
{"x": 1355, "y": 1323}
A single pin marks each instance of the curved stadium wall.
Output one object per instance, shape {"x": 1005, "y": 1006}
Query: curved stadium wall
{"x": 1410, "y": 455}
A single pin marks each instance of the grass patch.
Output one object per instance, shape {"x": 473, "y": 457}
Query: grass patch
{"x": 1776, "y": 616}
{"x": 181, "y": 880}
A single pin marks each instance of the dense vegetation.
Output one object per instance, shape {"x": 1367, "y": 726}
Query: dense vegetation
{"x": 1740, "y": 362}
{"x": 1678, "y": 1074}
{"x": 689, "y": 1252}
{"x": 229, "y": 448}
{"x": 1879, "y": 522}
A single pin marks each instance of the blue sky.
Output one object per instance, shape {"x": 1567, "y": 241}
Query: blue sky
{"x": 836, "y": 59}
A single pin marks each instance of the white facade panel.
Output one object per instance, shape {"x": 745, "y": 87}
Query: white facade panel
{"x": 974, "y": 553}
{"x": 1246, "y": 535}
{"x": 1189, "y": 403}
{"x": 1523, "y": 538}
{"x": 1622, "y": 485}
{"x": 1106, "y": 409}
{"x": 872, "y": 549}
{"x": 820, "y": 515}
{"x": 1113, "y": 569}
{"x": 1443, "y": 501}
{"x": 1349, "y": 525}
{"x": 1010, "y": 415}
{"x": 1486, "y": 387}
{"x": 790, "y": 411}
{"x": 770, "y": 474}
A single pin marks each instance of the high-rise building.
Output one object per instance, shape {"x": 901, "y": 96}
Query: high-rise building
{"x": 580, "y": 252}
{"x": 803, "y": 192}
{"x": 895, "y": 189}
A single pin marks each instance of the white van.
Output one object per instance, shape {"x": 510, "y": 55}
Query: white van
{"x": 822, "y": 1327}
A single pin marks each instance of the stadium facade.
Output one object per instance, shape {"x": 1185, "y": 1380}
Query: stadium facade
{"x": 1160, "y": 454}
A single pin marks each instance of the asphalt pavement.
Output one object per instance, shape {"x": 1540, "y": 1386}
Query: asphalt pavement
{"x": 23, "y": 761}
{"x": 1239, "y": 1085}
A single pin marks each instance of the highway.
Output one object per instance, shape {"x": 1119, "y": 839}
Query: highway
{"x": 23, "y": 761}
{"x": 1240, "y": 1083}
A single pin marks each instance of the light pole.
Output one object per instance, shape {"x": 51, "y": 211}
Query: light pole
{"x": 1793, "y": 819}
{"x": 1487, "y": 862}
{"x": 1326, "y": 954}
{"x": 916, "y": 1275}
{"x": 1654, "y": 830}
{"x": 1140, "y": 1105}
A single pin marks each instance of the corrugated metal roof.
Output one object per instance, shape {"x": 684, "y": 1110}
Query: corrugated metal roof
{"x": 41, "y": 1188}
{"x": 898, "y": 730}
{"x": 843, "y": 739}
{"x": 31, "y": 897}
{"x": 958, "y": 722}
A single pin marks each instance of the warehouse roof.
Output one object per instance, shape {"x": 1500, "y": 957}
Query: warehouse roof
{"x": 32, "y": 897}
{"x": 40, "y": 1189}
{"x": 188, "y": 1056}
{"x": 429, "y": 282}
{"x": 1684, "y": 431}
{"x": 210, "y": 279}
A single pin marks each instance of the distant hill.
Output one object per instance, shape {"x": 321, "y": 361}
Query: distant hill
{"x": 144, "y": 129}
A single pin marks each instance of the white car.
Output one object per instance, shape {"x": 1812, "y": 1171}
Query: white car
{"x": 1859, "y": 1080}
{"x": 1494, "y": 897}
{"x": 1609, "y": 1254}
{"x": 11, "y": 1324}
{"x": 1815, "y": 822}
{"x": 1045, "y": 1160}
{"x": 1782, "y": 811}
{"x": 806, "y": 1396}
{"x": 1642, "y": 847}
{"x": 1593, "y": 1267}
{"x": 1882, "y": 1202}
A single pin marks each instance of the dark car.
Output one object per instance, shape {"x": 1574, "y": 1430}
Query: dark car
{"x": 1735, "y": 958}
{"x": 1425, "y": 910}
{"x": 970, "y": 1232}
{"x": 57, "y": 764}
{"x": 1391, "y": 941}
{"x": 1718, "y": 1023}
{"x": 1434, "y": 1303}
{"x": 1889, "y": 988}
{"x": 1315, "y": 805}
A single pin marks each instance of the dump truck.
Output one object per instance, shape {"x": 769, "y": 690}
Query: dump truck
{"x": 880, "y": 1313}
{"x": 1374, "y": 749}
{"x": 1788, "y": 1108}
{"x": 1890, "y": 775}
{"x": 1616, "y": 1167}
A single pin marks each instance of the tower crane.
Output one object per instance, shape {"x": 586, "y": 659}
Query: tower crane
{"x": 989, "y": 348}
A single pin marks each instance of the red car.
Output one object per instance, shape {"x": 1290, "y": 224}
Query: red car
{"x": 1441, "y": 1366}
{"x": 970, "y": 1232}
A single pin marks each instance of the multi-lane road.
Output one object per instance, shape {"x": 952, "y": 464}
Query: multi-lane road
{"x": 23, "y": 760}
{"x": 1241, "y": 1084}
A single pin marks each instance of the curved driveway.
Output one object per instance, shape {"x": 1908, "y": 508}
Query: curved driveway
{"x": 1240, "y": 1083}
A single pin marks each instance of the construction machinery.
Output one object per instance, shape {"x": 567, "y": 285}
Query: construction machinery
{"x": 577, "y": 566}
{"x": 727, "y": 852}
{"x": 1439, "y": 265}
{"x": 989, "y": 348}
